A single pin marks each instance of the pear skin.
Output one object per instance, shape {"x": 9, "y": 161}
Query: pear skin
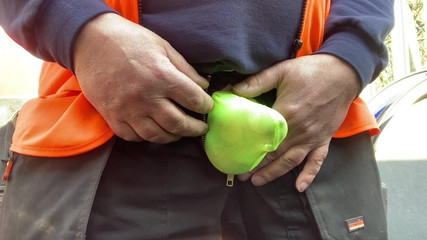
{"x": 241, "y": 132}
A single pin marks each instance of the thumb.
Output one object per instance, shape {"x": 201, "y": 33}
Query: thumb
{"x": 258, "y": 84}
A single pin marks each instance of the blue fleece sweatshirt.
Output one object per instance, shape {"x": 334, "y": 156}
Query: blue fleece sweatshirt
{"x": 239, "y": 35}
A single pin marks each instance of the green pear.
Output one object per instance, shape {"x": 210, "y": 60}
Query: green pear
{"x": 241, "y": 132}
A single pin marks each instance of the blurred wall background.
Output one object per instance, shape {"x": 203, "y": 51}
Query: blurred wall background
{"x": 19, "y": 70}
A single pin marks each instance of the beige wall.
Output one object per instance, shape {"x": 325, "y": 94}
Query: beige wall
{"x": 19, "y": 70}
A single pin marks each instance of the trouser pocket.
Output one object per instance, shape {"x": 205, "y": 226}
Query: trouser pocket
{"x": 346, "y": 195}
{"x": 51, "y": 198}
{"x": 6, "y": 133}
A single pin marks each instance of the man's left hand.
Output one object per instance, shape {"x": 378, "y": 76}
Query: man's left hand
{"x": 313, "y": 94}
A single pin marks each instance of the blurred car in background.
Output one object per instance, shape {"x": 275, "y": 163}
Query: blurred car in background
{"x": 9, "y": 105}
{"x": 401, "y": 152}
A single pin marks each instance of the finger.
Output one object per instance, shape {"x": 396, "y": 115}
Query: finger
{"x": 259, "y": 83}
{"x": 182, "y": 65}
{"x": 244, "y": 176}
{"x": 280, "y": 166}
{"x": 189, "y": 95}
{"x": 149, "y": 130}
{"x": 267, "y": 159}
{"x": 175, "y": 121}
{"x": 311, "y": 168}
{"x": 124, "y": 131}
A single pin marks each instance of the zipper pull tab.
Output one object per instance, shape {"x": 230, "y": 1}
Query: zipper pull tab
{"x": 230, "y": 180}
{"x": 296, "y": 46}
{"x": 9, "y": 166}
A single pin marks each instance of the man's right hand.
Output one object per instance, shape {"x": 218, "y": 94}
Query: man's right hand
{"x": 138, "y": 82}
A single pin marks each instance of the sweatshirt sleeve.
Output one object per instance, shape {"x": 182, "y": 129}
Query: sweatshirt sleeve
{"x": 355, "y": 31}
{"x": 48, "y": 28}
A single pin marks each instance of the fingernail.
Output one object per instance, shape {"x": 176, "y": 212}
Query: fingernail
{"x": 258, "y": 181}
{"x": 302, "y": 187}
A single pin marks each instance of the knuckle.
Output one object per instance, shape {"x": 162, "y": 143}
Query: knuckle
{"x": 269, "y": 176}
{"x": 197, "y": 100}
{"x": 145, "y": 130}
{"x": 287, "y": 163}
{"x": 161, "y": 70}
{"x": 149, "y": 135}
{"x": 197, "y": 103}
{"x": 292, "y": 111}
{"x": 318, "y": 161}
{"x": 293, "y": 159}
{"x": 315, "y": 167}
{"x": 176, "y": 125}
{"x": 271, "y": 156}
{"x": 258, "y": 80}
{"x": 125, "y": 135}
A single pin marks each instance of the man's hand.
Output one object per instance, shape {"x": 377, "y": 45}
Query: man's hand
{"x": 313, "y": 94}
{"x": 138, "y": 82}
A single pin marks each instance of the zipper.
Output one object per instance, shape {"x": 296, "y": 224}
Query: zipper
{"x": 297, "y": 44}
{"x": 230, "y": 177}
{"x": 9, "y": 166}
{"x": 140, "y": 12}
{"x": 205, "y": 116}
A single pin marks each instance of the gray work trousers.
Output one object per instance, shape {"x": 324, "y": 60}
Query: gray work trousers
{"x": 125, "y": 190}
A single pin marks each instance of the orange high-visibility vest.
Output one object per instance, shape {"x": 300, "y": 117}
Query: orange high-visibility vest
{"x": 61, "y": 122}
